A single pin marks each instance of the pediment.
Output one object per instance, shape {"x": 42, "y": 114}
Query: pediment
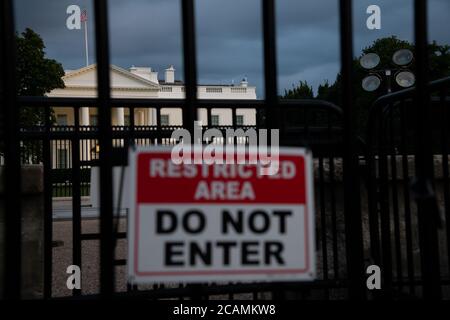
{"x": 120, "y": 79}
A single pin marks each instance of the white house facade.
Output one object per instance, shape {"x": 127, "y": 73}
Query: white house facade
{"x": 143, "y": 82}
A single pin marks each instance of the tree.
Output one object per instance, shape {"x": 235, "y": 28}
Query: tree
{"x": 301, "y": 91}
{"x": 36, "y": 74}
{"x": 439, "y": 60}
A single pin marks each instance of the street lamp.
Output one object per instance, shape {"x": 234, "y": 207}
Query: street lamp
{"x": 403, "y": 77}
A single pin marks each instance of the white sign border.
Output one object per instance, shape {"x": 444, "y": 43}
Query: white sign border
{"x": 308, "y": 275}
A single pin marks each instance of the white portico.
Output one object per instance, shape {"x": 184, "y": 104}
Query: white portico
{"x": 143, "y": 82}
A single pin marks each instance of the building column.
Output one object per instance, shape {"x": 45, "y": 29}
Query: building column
{"x": 118, "y": 116}
{"x": 142, "y": 118}
{"x": 148, "y": 117}
{"x": 154, "y": 115}
{"x": 85, "y": 153}
{"x": 84, "y": 119}
{"x": 117, "y": 120}
{"x": 139, "y": 117}
{"x": 199, "y": 116}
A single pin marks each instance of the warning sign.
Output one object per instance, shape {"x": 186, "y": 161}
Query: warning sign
{"x": 199, "y": 222}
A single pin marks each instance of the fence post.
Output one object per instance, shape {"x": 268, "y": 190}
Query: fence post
{"x": 428, "y": 212}
{"x": 271, "y": 109}
{"x": 352, "y": 205}
{"x": 10, "y": 137}
{"x": 190, "y": 77}
{"x": 105, "y": 142}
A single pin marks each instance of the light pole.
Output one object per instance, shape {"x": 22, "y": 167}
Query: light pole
{"x": 403, "y": 76}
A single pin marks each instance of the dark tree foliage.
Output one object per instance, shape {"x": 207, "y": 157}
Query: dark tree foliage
{"x": 301, "y": 91}
{"x": 36, "y": 76}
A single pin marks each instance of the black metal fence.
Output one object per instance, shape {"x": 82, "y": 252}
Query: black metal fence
{"x": 398, "y": 241}
{"x": 360, "y": 218}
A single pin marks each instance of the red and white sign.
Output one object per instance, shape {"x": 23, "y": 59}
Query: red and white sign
{"x": 221, "y": 222}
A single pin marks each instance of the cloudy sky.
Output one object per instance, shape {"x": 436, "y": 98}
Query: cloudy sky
{"x": 229, "y": 44}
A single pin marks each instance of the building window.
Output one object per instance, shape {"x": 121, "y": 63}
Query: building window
{"x": 214, "y": 90}
{"x": 214, "y": 120}
{"x": 61, "y": 119}
{"x": 126, "y": 119}
{"x": 238, "y": 90}
{"x": 164, "y": 119}
{"x": 61, "y": 159}
{"x": 93, "y": 120}
{"x": 239, "y": 120}
{"x": 166, "y": 89}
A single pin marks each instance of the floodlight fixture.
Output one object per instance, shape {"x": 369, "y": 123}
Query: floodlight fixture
{"x": 403, "y": 57}
{"x": 371, "y": 83}
{"x": 369, "y": 61}
{"x": 405, "y": 79}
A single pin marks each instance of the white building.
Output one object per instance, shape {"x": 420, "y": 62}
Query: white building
{"x": 143, "y": 82}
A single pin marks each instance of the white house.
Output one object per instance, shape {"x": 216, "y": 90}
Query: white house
{"x": 143, "y": 82}
{"x": 139, "y": 83}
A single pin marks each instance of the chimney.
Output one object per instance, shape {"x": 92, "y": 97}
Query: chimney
{"x": 145, "y": 72}
{"x": 170, "y": 75}
{"x": 244, "y": 82}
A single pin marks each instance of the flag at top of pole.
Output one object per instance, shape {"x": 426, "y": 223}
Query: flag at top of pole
{"x": 83, "y": 16}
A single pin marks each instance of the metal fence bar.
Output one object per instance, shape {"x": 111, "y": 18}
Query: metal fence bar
{"x": 48, "y": 208}
{"x": 189, "y": 112}
{"x": 270, "y": 65}
{"x": 76, "y": 198}
{"x": 423, "y": 189}
{"x": 190, "y": 64}
{"x": 270, "y": 85}
{"x": 445, "y": 170}
{"x": 394, "y": 194}
{"x": 385, "y": 216}
{"x": 323, "y": 219}
{"x": 12, "y": 167}
{"x": 352, "y": 205}
{"x": 158, "y": 122}
{"x": 406, "y": 199}
{"x": 105, "y": 142}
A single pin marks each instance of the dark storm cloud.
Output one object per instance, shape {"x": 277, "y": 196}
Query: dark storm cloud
{"x": 229, "y": 35}
{"x": 48, "y": 18}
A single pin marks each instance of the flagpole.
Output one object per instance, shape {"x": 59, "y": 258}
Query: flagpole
{"x": 86, "y": 42}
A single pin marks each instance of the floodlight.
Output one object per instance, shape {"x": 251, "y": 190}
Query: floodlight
{"x": 405, "y": 79}
{"x": 403, "y": 57}
{"x": 369, "y": 61}
{"x": 371, "y": 83}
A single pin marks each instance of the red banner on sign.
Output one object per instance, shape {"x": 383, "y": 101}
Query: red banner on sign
{"x": 160, "y": 180}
